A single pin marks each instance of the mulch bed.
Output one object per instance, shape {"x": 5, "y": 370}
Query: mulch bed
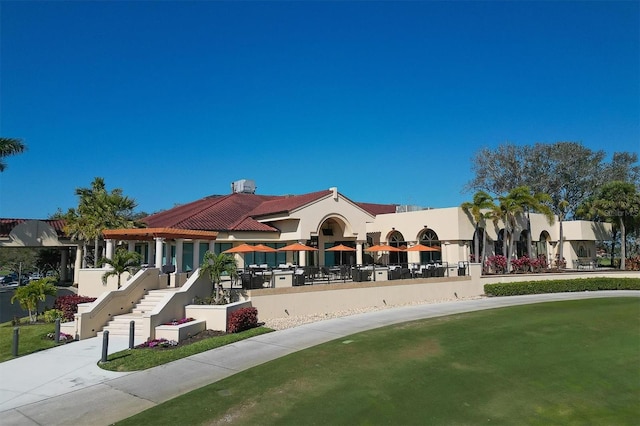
{"x": 205, "y": 334}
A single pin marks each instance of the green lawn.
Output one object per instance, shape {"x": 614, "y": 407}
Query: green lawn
{"x": 32, "y": 338}
{"x": 574, "y": 362}
{"x": 141, "y": 359}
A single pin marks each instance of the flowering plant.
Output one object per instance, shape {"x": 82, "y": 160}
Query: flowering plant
{"x": 539, "y": 264}
{"x": 180, "y": 321}
{"x": 498, "y": 263}
{"x": 157, "y": 343}
{"x": 64, "y": 337}
{"x": 522, "y": 264}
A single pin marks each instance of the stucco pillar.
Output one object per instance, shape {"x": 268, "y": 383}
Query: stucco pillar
{"x": 78, "y": 265}
{"x": 359, "y": 252}
{"x": 64, "y": 260}
{"x": 179, "y": 251}
{"x": 302, "y": 255}
{"x": 109, "y": 249}
{"x": 211, "y": 245}
{"x": 196, "y": 254}
{"x": 131, "y": 245}
{"x": 150, "y": 252}
{"x": 158, "y": 252}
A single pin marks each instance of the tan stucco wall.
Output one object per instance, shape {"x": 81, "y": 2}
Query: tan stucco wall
{"x": 320, "y": 299}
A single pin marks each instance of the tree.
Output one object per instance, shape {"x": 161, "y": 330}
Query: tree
{"x": 619, "y": 203}
{"x": 479, "y": 210}
{"x": 567, "y": 171}
{"x": 98, "y": 210}
{"x": 122, "y": 261}
{"x": 217, "y": 265}
{"x": 514, "y": 205}
{"x": 36, "y": 291}
{"x": 10, "y": 146}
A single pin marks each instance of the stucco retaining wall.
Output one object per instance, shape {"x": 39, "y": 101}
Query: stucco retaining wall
{"x": 273, "y": 303}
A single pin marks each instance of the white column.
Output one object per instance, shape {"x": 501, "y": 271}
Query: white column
{"x": 211, "y": 245}
{"x": 158, "y": 252}
{"x": 179, "y": 250}
{"x": 109, "y": 249}
{"x": 131, "y": 245}
{"x": 77, "y": 265}
{"x": 196, "y": 254}
{"x": 64, "y": 260}
{"x": 359, "y": 252}
{"x": 302, "y": 255}
{"x": 150, "y": 252}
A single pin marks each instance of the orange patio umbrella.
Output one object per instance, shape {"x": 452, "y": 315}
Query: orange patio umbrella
{"x": 341, "y": 248}
{"x": 247, "y": 248}
{"x": 264, "y": 249}
{"x": 422, "y": 247}
{"x": 383, "y": 247}
{"x": 242, "y": 248}
{"x": 297, "y": 247}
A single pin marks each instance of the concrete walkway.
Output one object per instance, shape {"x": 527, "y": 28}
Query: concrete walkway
{"x": 64, "y": 385}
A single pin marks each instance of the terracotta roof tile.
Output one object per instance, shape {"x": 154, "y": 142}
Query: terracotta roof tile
{"x": 6, "y": 225}
{"x": 239, "y": 212}
{"x": 287, "y": 203}
{"x": 376, "y": 209}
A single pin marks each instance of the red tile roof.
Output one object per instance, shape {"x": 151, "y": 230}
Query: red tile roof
{"x": 376, "y": 209}
{"x": 232, "y": 212}
{"x": 241, "y": 212}
{"x": 6, "y": 225}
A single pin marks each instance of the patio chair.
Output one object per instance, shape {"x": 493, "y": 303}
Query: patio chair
{"x": 326, "y": 273}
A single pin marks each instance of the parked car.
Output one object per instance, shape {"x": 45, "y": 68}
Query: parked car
{"x": 35, "y": 276}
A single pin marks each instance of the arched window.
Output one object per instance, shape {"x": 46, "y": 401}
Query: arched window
{"x": 396, "y": 239}
{"x": 521, "y": 244}
{"x": 430, "y": 239}
{"x": 474, "y": 255}
{"x": 582, "y": 252}
{"x": 499, "y": 244}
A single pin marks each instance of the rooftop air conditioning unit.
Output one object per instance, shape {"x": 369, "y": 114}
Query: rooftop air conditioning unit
{"x": 243, "y": 186}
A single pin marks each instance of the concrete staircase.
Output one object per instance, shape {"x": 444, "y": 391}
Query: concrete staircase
{"x": 119, "y": 324}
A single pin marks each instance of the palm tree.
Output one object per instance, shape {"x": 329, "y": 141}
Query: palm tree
{"x": 122, "y": 261}
{"x": 518, "y": 201}
{"x": 619, "y": 202}
{"x": 98, "y": 210}
{"x": 479, "y": 210}
{"x": 36, "y": 291}
{"x": 9, "y": 146}
{"x": 217, "y": 265}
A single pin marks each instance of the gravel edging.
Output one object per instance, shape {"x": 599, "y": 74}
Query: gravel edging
{"x": 294, "y": 321}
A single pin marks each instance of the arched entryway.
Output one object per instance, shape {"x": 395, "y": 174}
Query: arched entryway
{"x": 333, "y": 231}
{"x": 542, "y": 246}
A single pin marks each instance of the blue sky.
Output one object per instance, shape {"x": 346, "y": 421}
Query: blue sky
{"x": 388, "y": 101}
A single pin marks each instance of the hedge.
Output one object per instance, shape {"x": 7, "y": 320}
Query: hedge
{"x": 560, "y": 286}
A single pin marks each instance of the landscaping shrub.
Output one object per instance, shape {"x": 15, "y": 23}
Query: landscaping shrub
{"x": 497, "y": 264}
{"x": 242, "y": 319}
{"x": 69, "y": 305}
{"x": 52, "y": 315}
{"x": 559, "y": 286}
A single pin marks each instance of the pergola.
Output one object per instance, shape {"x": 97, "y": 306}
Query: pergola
{"x": 162, "y": 238}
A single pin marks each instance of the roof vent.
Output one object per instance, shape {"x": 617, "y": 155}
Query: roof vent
{"x": 243, "y": 186}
